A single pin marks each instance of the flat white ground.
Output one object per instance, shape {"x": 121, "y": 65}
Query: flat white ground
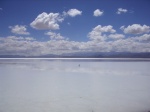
{"x": 74, "y": 86}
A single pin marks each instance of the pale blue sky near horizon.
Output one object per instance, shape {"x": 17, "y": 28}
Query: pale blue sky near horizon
{"x": 17, "y": 17}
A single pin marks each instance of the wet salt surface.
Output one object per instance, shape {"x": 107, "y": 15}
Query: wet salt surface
{"x": 64, "y": 86}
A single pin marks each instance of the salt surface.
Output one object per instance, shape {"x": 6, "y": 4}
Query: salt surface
{"x": 64, "y": 86}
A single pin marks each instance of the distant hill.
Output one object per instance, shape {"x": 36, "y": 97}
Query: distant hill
{"x": 86, "y": 55}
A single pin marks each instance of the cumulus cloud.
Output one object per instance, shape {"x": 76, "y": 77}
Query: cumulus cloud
{"x": 13, "y": 45}
{"x": 135, "y": 29}
{"x": 116, "y": 36}
{"x": 47, "y": 21}
{"x": 145, "y": 37}
{"x": 102, "y": 39}
{"x": 142, "y": 38}
{"x": 29, "y": 39}
{"x": 54, "y": 36}
{"x": 98, "y": 12}
{"x": 74, "y": 12}
{"x": 27, "y": 46}
{"x": 102, "y": 29}
{"x": 96, "y": 33}
{"x": 19, "y": 29}
{"x": 16, "y": 38}
{"x": 121, "y": 10}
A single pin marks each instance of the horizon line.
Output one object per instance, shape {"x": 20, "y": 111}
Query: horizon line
{"x": 78, "y": 58}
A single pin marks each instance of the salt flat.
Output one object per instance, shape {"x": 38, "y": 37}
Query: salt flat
{"x": 74, "y": 86}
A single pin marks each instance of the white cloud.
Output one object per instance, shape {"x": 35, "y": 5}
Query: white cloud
{"x": 102, "y": 29}
{"x": 74, "y": 12}
{"x": 145, "y": 37}
{"x": 27, "y": 46}
{"x": 16, "y": 38}
{"x": 121, "y": 10}
{"x": 13, "y": 45}
{"x": 116, "y": 36}
{"x": 19, "y": 29}
{"x": 47, "y": 21}
{"x": 54, "y": 36}
{"x": 96, "y": 33}
{"x": 1, "y": 9}
{"x": 142, "y": 38}
{"x": 29, "y": 39}
{"x": 135, "y": 29}
{"x": 98, "y": 12}
{"x": 102, "y": 39}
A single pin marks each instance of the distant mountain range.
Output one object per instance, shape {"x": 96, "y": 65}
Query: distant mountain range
{"x": 86, "y": 55}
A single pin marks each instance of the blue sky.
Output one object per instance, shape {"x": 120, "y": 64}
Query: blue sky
{"x": 39, "y": 27}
